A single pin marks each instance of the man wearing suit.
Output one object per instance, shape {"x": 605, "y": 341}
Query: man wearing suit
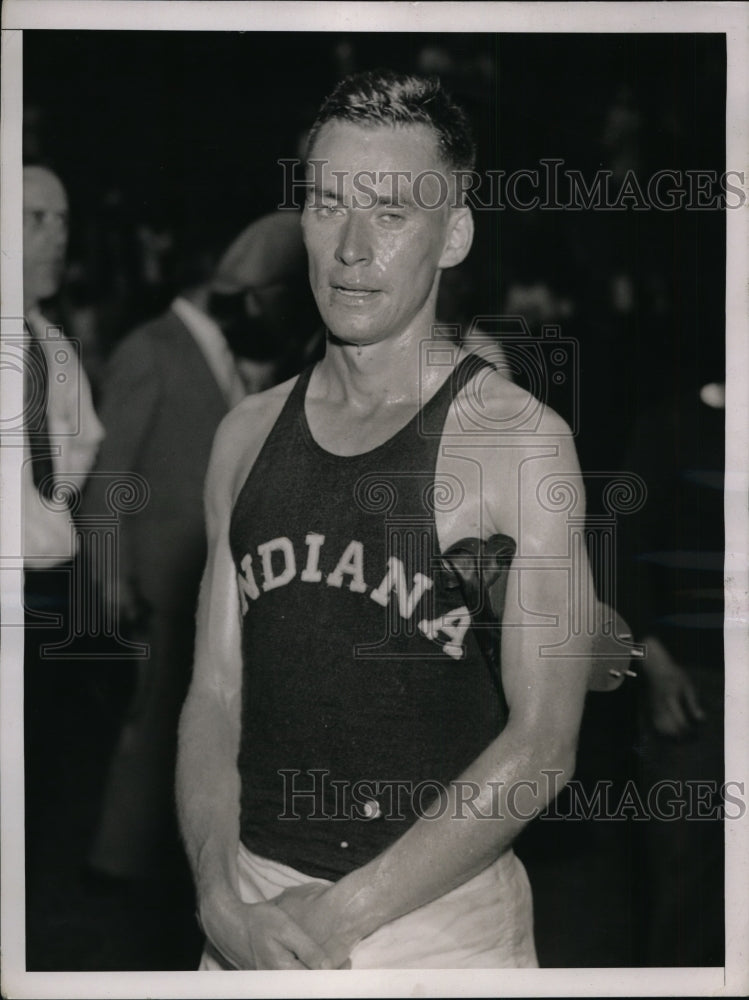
{"x": 168, "y": 385}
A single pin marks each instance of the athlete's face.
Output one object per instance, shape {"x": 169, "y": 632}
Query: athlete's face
{"x": 375, "y": 243}
{"x": 45, "y": 234}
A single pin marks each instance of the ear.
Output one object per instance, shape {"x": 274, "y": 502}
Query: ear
{"x": 459, "y": 237}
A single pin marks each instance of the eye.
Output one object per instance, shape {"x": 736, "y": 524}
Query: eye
{"x": 392, "y": 218}
{"x": 323, "y": 207}
{"x": 36, "y": 216}
{"x": 40, "y": 217}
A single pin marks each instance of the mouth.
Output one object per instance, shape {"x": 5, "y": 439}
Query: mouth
{"x": 354, "y": 292}
{"x": 354, "y": 295}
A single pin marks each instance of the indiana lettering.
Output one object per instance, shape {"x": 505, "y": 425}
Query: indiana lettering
{"x": 276, "y": 565}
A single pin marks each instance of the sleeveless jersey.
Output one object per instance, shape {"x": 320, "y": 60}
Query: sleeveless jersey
{"x": 364, "y": 691}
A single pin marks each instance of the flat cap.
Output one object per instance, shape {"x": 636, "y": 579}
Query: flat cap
{"x": 268, "y": 251}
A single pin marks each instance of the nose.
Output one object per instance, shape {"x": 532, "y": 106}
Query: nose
{"x": 354, "y": 241}
{"x": 56, "y": 229}
{"x": 61, "y": 236}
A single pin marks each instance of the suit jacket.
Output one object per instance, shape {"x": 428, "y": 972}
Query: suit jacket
{"x": 160, "y": 407}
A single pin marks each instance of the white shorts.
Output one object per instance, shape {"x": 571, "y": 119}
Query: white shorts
{"x": 486, "y": 923}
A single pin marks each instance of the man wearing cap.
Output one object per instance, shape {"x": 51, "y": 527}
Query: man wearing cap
{"x": 356, "y": 758}
{"x": 168, "y": 385}
{"x": 261, "y": 298}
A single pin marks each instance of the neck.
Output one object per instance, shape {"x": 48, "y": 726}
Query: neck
{"x": 391, "y": 369}
{"x": 32, "y": 313}
{"x": 388, "y": 369}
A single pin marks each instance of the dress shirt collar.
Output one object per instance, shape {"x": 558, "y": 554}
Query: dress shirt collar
{"x": 212, "y": 343}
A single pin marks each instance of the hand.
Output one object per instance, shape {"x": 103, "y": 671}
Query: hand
{"x": 673, "y": 704}
{"x": 259, "y": 936}
{"x": 312, "y": 907}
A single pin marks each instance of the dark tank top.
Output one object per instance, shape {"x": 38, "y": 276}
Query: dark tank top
{"x": 364, "y": 690}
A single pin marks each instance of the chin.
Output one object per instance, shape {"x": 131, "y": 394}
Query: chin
{"x": 356, "y": 338}
{"x": 355, "y": 330}
{"x": 44, "y": 288}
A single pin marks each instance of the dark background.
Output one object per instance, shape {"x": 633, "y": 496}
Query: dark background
{"x": 163, "y": 137}
{"x": 171, "y": 134}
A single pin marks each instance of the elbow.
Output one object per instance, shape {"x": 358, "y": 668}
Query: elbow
{"x": 556, "y": 760}
{"x": 546, "y": 749}
{"x": 560, "y": 765}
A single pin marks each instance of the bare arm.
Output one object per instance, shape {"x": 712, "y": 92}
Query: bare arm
{"x": 545, "y": 697}
{"x": 249, "y": 935}
{"x": 207, "y": 778}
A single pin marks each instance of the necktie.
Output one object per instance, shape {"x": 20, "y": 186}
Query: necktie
{"x": 36, "y": 384}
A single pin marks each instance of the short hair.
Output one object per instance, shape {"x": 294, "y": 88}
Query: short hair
{"x": 386, "y": 97}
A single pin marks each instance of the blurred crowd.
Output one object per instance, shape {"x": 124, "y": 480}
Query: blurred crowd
{"x": 184, "y": 292}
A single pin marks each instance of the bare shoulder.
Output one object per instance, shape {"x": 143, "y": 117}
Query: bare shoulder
{"x": 494, "y": 408}
{"x": 241, "y": 436}
{"x": 507, "y": 447}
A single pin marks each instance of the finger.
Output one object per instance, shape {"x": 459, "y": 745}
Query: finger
{"x": 305, "y": 949}
{"x": 306, "y": 891}
{"x": 223, "y": 958}
{"x": 693, "y": 703}
{"x": 670, "y": 720}
{"x": 681, "y": 722}
{"x": 275, "y": 955}
{"x": 286, "y": 960}
{"x": 229, "y": 959}
{"x": 269, "y": 954}
{"x": 665, "y": 725}
{"x": 336, "y": 951}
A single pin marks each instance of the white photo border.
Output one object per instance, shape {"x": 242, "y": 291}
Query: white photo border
{"x": 184, "y": 15}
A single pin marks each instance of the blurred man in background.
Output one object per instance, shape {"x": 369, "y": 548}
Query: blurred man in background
{"x": 62, "y": 429}
{"x": 232, "y": 329}
{"x": 62, "y": 433}
{"x": 672, "y": 589}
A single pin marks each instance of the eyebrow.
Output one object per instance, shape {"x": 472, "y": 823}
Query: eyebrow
{"x": 381, "y": 201}
{"x": 40, "y": 209}
{"x": 401, "y": 201}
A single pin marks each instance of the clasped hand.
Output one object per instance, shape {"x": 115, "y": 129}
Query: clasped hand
{"x": 295, "y": 930}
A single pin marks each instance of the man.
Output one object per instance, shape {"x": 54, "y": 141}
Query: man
{"x": 63, "y": 431}
{"x": 671, "y": 584}
{"x": 168, "y": 386}
{"x": 261, "y": 299}
{"x": 61, "y": 436}
{"x": 340, "y": 657}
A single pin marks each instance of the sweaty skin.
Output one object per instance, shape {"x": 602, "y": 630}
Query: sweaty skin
{"x": 375, "y": 275}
